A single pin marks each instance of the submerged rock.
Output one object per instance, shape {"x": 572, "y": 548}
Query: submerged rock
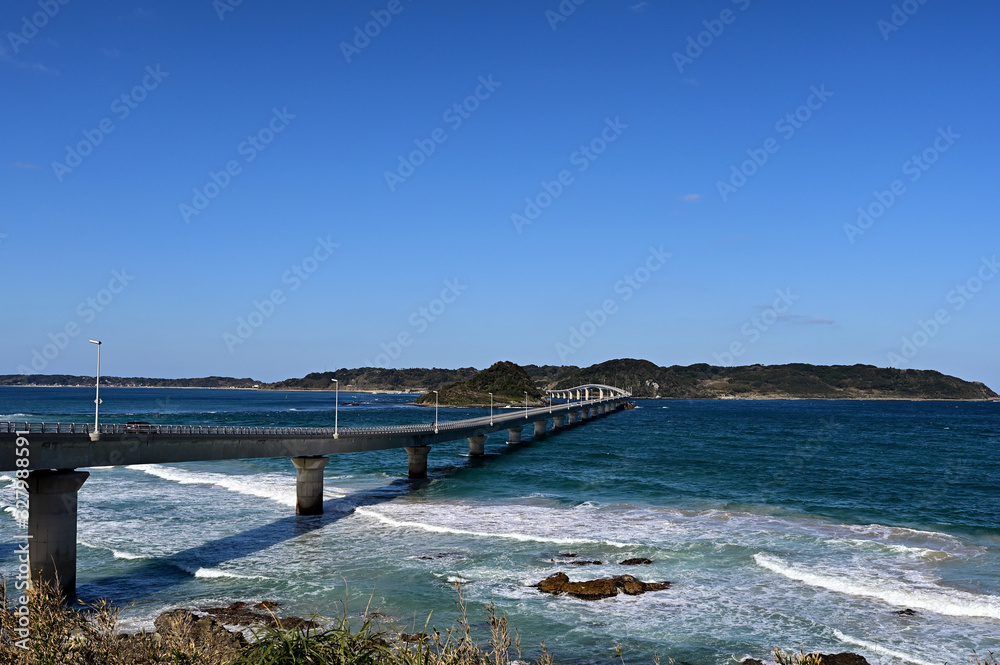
{"x": 906, "y": 613}
{"x": 638, "y": 561}
{"x": 600, "y": 588}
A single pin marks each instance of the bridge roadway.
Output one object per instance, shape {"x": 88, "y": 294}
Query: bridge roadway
{"x": 46, "y": 457}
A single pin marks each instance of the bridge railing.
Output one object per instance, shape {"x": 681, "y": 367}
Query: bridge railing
{"x": 243, "y": 430}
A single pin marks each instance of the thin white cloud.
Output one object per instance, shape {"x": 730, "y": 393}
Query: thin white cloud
{"x": 640, "y": 6}
{"x": 110, "y": 52}
{"x": 26, "y": 166}
{"x": 691, "y": 198}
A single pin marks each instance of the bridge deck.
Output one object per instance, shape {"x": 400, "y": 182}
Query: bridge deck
{"x": 69, "y": 446}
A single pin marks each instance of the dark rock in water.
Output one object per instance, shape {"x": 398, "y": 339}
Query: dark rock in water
{"x": 568, "y": 555}
{"x": 207, "y": 634}
{"x": 584, "y": 562}
{"x": 598, "y": 589}
{"x": 752, "y": 661}
{"x": 638, "y": 561}
{"x": 239, "y": 614}
{"x": 906, "y": 613}
{"x": 842, "y": 659}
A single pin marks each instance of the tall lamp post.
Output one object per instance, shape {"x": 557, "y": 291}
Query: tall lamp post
{"x": 525, "y": 404}
{"x": 96, "y": 434}
{"x": 336, "y": 406}
{"x": 435, "y": 412}
{"x": 491, "y": 409}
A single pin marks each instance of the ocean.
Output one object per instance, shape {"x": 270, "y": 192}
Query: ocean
{"x": 799, "y": 523}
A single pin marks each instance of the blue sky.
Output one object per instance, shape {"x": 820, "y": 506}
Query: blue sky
{"x": 264, "y": 190}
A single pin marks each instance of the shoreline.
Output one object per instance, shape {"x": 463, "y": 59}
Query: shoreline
{"x": 634, "y": 398}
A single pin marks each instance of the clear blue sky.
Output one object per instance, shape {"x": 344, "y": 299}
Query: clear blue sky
{"x": 309, "y": 118}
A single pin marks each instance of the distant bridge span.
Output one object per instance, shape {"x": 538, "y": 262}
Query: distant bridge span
{"x": 46, "y": 457}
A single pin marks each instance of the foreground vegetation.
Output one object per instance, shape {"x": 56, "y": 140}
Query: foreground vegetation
{"x": 61, "y": 635}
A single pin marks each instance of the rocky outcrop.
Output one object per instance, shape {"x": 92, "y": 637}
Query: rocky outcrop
{"x": 208, "y": 637}
{"x": 241, "y": 614}
{"x": 600, "y": 588}
{"x": 638, "y": 561}
{"x": 824, "y": 659}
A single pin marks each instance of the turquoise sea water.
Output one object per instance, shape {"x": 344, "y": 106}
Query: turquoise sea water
{"x": 780, "y": 523}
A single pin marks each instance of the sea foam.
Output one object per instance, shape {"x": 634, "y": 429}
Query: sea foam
{"x": 950, "y": 602}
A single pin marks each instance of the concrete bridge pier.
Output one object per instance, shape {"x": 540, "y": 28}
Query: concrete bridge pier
{"x": 418, "y": 460}
{"x": 477, "y": 446}
{"x": 514, "y": 435}
{"x": 593, "y": 412}
{"x": 540, "y": 428}
{"x": 584, "y": 413}
{"x": 52, "y": 527}
{"x": 557, "y": 422}
{"x": 309, "y": 484}
{"x": 574, "y": 417}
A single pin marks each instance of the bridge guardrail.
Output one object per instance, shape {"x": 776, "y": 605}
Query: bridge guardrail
{"x": 243, "y": 430}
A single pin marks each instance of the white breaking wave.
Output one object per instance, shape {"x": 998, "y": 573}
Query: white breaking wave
{"x": 258, "y": 486}
{"x": 274, "y": 487}
{"x": 211, "y": 573}
{"x": 523, "y": 537}
{"x": 948, "y": 602}
{"x": 128, "y": 556}
{"x": 880, "y": 650}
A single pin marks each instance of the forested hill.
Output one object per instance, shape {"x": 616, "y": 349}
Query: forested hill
{"x": 644, "y": 378}
{"x": 777, "y": 381}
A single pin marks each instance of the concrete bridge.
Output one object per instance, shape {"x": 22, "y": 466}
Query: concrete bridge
{"x": 47, "y": 457}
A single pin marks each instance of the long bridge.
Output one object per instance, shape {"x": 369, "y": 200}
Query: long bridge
{"x": 47, "y": 457}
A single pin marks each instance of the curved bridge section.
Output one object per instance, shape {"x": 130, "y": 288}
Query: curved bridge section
{"x": 46, "y": 456}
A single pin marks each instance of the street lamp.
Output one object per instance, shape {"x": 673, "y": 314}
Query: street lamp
{"x": 525, "y": 404}
{"x": 435, "y": 412}
{"x": 336, "y": 406}
{"x": 96, "y": 434}
{"x": 491, "y": 409}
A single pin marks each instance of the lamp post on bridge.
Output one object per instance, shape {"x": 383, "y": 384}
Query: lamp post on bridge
{"x": 491, "y": 409}
{"x": 525, "y": 404}
{"x": 96, "y": 434}
{"x": 336, "y": 406}
{"x": 435, "y": 412}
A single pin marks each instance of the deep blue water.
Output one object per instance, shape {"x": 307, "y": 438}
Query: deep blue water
{"x": 780, "y": 523}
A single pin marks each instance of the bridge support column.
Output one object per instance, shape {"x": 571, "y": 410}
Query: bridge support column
{"x": 593, "y": 412}
{"x": 309, "y": 484}
{"x": 572, "y": 418}
{"x": 514, "y": 435}
{"x": 584, "y": 413}
{"x": 540, "y": 428}
{"x": 557, "y": 422}
{"x": 477, "y": 446}
{"x": 52, "y": 527}
{"x": 418, "y": 460}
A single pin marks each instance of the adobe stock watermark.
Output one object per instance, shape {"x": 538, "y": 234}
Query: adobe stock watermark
{"x": 901, "y": 13}
{"x": 249, "y": 149}
{"x": 294, "y": 277}
{"x": 86, "y": 312}
{"x": 122, "y": 106}
{"x": 914, "y": 168}
{"x": 787, "y": 126}
{"x": 381, "y": 18}
{"x": 223, "y": 7}
{"x": 958, "y": 298}
{"x": 562, "y": 12}
{"x": 581, "y": 158}
{"x": 37, "y": 21}
{"x": 22, "y": 506}
{"x": 757, "y": 326}
{"x": 454, "y": 116}
{"x": 420, "y": 320}
{"x": 714, "y": 28}
{"x": 626, "y": 287}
